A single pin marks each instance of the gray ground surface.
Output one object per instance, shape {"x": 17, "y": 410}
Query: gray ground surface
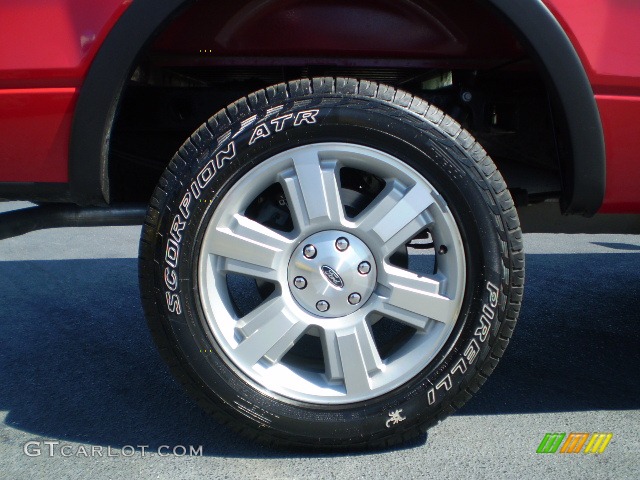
{"x": 77, "y": 366}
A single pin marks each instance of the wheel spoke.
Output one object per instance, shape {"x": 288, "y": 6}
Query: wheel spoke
{"x": 251, "y": 248}
{"x": 231, "y": 265}
{"x": 312, "y": 189}
{"x": 351, "y": 355}
{"x": 269, "y": 332}
{"x": 415, "y": 320}
{"x": 416, "y": 294}
{"x": 295, "y": 198}
{"x": 397, "y": 214}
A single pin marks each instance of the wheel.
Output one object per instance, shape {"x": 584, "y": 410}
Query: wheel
{"x": 331, "y": 263}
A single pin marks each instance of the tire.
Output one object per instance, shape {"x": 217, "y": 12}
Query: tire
{"x": 312, "y": 163}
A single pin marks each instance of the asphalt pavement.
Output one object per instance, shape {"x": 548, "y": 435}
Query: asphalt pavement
{"x": 78, "y": 367}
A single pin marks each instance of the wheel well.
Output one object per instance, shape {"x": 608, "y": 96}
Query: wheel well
{"x": 461, "y": 56}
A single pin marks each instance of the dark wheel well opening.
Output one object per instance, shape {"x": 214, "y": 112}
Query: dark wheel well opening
{"x": 462, "y": 58}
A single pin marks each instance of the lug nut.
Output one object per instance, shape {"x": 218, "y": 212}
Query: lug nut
{"x": 300, "y": 282}
{"x": 364, "y": 268}
{"x": 354, "y": 298}
{"x": 322, "y": 306}
{"x": 342, "y": 244}
{"x": 309, "y": 251}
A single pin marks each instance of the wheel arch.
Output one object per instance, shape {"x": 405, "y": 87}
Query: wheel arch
{"x": 582, "y": 157}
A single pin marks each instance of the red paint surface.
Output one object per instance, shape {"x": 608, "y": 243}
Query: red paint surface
{"x": 621, "y": 123}
{"x": 34, "y": 134}
{"x": 51, "y": 43}
{"x": 46, "y": 48}
{"x": 606, "y": 35}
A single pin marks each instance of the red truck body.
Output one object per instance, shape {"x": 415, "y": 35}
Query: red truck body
{"x": 47, "y": 48}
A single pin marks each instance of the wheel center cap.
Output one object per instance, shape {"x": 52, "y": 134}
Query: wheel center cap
{"x": 332, "y": 274}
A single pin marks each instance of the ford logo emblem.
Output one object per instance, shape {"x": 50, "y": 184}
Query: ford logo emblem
{"x": 332, "y": 276}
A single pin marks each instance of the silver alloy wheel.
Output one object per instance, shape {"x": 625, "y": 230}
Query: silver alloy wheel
{"x": 257, "y": 342}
